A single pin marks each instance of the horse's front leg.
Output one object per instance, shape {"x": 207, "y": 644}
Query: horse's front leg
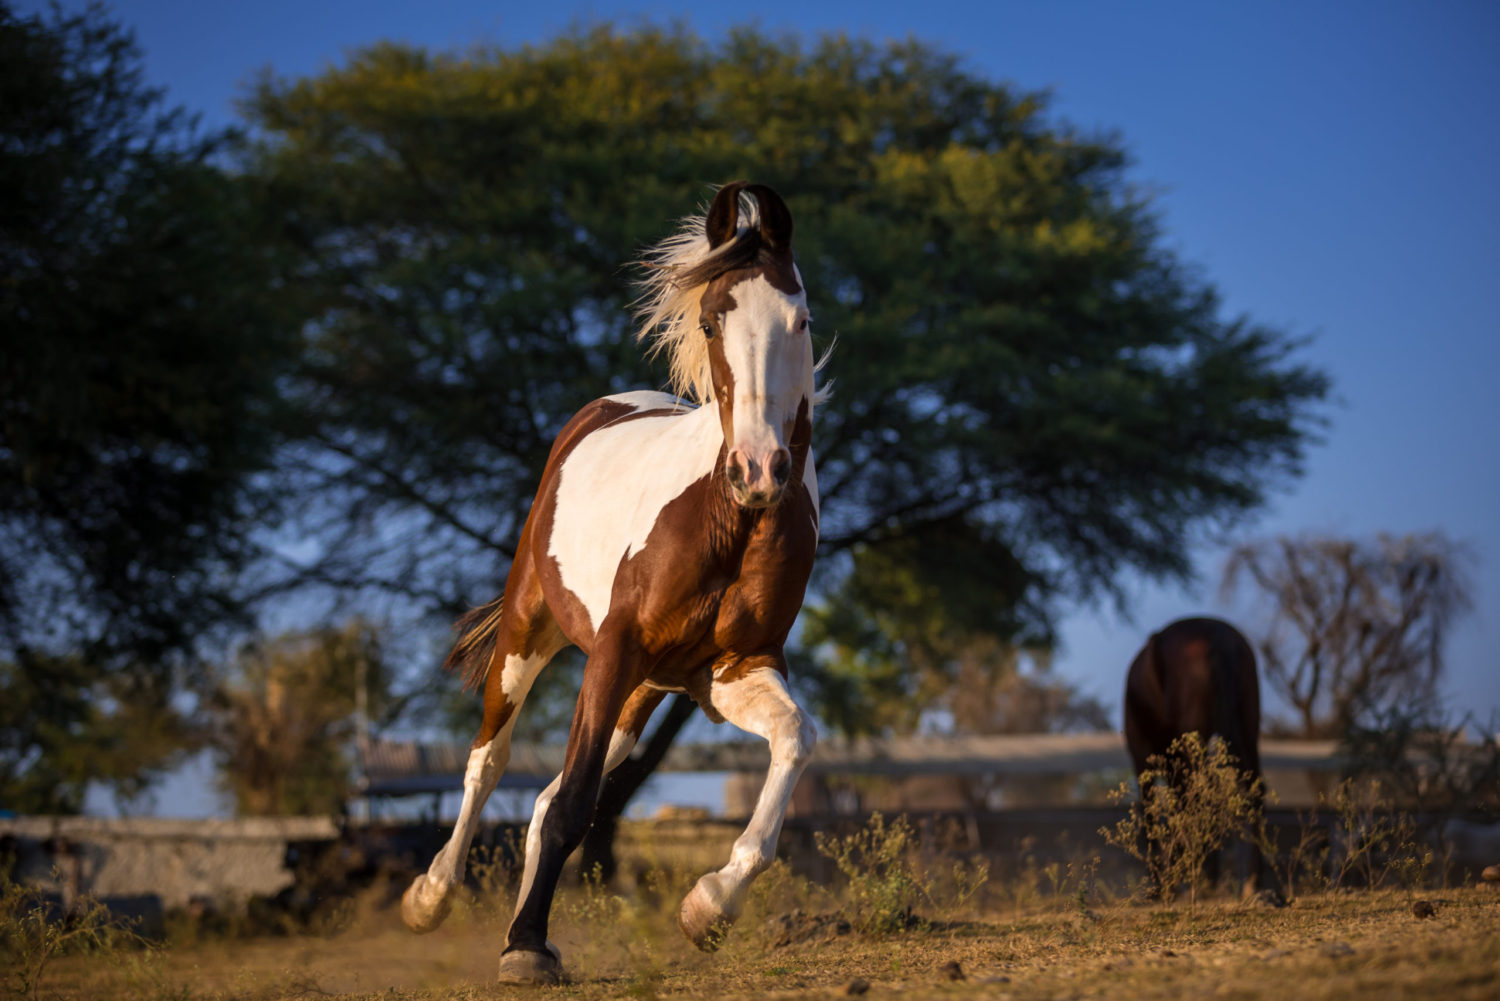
{"x": 633, "y": 718}
{"x": 755, "y": 700}
{"x": 613, "y": 670}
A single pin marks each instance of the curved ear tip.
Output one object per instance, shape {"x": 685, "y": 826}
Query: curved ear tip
{"x": 731, "y": 189}
{"x": 776, "y": 217}
{"x": 723, "y": 213}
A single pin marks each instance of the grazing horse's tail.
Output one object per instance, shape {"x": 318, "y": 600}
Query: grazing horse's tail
{"x": 478, "y": 631}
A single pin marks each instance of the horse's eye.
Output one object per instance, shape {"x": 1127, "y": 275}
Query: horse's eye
{"x": 708, "y": 329}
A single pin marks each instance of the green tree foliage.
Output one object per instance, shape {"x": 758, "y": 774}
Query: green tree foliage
{"x": 139, "y": 357}
{"x": 284, "y": 721}
{"x": 1025, "y": 373}
{"x": 62, "y": 727}
{"x": 136, "y": 397}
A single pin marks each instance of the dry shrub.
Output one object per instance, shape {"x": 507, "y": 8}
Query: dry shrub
{"x": 882, "y": 885}
{"x": 1193, "y": 800}
{"x": 1371, "y": 842}
{"x": 34, "y": 931}
{"x": 1304, "y": 862}
{"x": 1351, "y": 837}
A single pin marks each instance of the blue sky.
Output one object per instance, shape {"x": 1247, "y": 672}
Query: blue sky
{"x": 1330, "y": 167}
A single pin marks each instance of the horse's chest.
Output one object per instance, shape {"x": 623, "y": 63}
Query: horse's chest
{"x": 763, "y": 601}
{"x": 702, "y": 600}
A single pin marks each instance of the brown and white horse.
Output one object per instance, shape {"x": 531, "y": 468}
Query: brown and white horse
{"x": 673, "y": 544}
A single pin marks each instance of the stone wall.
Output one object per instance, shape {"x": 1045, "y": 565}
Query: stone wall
{"x": 222, "y": 861}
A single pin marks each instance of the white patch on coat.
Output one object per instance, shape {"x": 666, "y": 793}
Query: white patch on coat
{"x": 647, "y": 399}
{"x": 612, "y": 488}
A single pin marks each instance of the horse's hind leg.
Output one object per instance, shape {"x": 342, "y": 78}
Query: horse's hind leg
{"x": 527, "y": 639}
{"x": 756, "y": 700}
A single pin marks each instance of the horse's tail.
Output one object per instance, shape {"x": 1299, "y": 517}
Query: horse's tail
{"x": 478, "y": 631}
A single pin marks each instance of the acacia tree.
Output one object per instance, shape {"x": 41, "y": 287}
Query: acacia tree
{"x": 1356, "y": 627}
{"x": 1032, "y": 392}
{"x": 137, "y": 403}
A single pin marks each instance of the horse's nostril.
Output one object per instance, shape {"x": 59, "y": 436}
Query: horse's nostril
{"x": 781, "y": 468}
{"x": 736, "y": 473}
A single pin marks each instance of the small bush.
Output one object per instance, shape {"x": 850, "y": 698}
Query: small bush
{"x": 1302, "y": 863}
{"x": 884, "y": 887}
{"x": 1192, "y": 801}
{"x": 1372, "y": 842}
{"x": 34, "y": 931}
{"x": 1363, "y": 841}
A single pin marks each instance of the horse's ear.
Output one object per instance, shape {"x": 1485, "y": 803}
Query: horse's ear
{"x": 775, "y": 217}
{"x": 724, "y": 214}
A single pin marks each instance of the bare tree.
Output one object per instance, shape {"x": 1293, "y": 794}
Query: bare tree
{"x": 1355, "y": 627}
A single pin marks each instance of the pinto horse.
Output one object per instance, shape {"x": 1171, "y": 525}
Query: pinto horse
{"x": 1195, "y": 676}
{"x": 672, "y": 543}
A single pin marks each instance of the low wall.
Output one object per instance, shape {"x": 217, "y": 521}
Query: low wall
{"x": 173, "y": 860}
{"x": 227, "y": 861}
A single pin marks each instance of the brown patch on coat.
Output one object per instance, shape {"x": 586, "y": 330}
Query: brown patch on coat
{"x": 638, "y": 709}
{"x": 717, "y": 584}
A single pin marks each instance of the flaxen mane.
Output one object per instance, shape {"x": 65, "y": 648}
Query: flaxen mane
{"x": 677, "y": 270}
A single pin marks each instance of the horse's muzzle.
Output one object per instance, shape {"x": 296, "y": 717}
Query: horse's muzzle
{"x": 758, "y": 482}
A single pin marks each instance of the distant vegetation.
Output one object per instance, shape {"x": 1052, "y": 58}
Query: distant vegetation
{"x": 314, "y": 375}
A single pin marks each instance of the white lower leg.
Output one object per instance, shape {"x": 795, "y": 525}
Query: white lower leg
{"x": 717, "y": 899}
{"x": 426, "y": 902}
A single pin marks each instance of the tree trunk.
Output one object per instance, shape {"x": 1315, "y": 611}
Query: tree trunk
{"x": 623, "y": 783}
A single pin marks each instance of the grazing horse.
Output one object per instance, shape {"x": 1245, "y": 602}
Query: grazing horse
{"x": 1195, "y": 676}
{"x": 672, "y": 543}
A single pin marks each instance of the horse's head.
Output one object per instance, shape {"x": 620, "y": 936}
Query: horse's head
{"x": 753, "y": 314}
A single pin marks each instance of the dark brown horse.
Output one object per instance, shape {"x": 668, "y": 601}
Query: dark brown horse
{"x": 1195, "y": 676}
{"x": 672, "y": 543}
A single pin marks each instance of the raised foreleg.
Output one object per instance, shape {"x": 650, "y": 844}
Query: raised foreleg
{"x": 755, "y": 700}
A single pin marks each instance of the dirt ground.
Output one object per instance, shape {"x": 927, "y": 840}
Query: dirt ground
{"x": 1365, "y": 944}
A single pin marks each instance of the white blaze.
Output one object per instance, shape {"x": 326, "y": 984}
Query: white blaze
{"x": 770, "y": 356}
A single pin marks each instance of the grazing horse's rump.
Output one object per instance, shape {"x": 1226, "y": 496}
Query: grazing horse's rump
{"x": 1195, "y": 676}
{"x": 672, "y": 542}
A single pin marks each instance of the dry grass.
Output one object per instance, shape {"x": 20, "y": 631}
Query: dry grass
{"x": 1365, "y": 944}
